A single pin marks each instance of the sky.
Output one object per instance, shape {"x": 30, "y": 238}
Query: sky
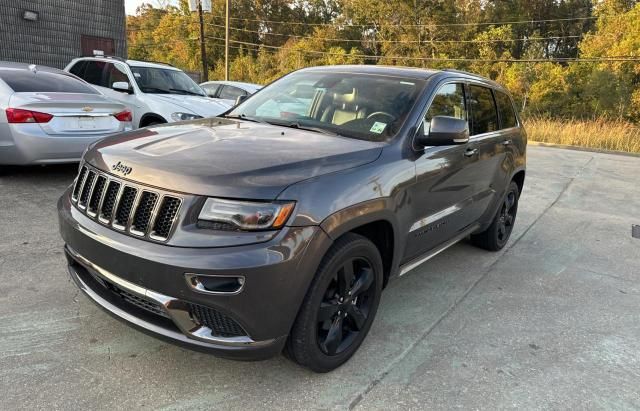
{"x": 131, "y": 5}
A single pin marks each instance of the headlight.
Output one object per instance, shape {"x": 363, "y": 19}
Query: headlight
{"x": 246, "y": 215}
{"x": 184, "y": 116}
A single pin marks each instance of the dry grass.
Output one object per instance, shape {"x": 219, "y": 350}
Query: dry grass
{"x": 616, "y": 135}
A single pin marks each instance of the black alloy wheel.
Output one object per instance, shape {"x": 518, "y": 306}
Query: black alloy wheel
{"x": 346, "y": 305}
{"x": 507, "y": 216}
{"x": 340, "y": 305}
{"x": 496, "y": 236}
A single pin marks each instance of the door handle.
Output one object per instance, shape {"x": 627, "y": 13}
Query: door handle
{"x": 506, "y": 142}
{"x": 471, "y": 152}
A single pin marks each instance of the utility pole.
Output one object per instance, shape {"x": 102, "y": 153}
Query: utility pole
{"x": 226, "y": 41}
{"x": 203, "y": 50}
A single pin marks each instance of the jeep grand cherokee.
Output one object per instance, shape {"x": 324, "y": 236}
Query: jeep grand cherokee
{"x": 277, "y": 225}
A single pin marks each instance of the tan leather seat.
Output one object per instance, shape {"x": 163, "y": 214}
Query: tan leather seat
{"x": 344, "y": 108}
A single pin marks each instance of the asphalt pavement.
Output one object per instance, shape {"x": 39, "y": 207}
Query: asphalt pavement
{"x": 552, "y": 321}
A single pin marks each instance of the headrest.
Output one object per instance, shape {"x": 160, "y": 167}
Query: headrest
{"x": 349, "y": 97}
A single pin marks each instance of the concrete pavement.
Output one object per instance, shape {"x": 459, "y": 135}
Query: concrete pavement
{"x": 552, "y": 321}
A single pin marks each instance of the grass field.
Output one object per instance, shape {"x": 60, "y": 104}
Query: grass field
{"x": 616, "y": 135}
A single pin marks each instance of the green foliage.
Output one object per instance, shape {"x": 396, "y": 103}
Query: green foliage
{"x": 420, "y": 33}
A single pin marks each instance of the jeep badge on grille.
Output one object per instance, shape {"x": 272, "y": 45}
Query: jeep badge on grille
{"x": 121, "y": 168}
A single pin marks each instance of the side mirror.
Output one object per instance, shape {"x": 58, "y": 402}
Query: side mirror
{"x": 240, "y": 99}
{"x": 444, "y": 131}
{"x": 122, "y": 86}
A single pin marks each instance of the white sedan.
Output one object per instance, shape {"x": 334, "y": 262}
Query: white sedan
{"x": 228, "y": 92}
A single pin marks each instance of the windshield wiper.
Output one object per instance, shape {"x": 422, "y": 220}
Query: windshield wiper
{"x": 247, "y": 118}
{"x": 155, "y": 90}
{"x": 295, "y": 124}
{"x": 181, "y": 91}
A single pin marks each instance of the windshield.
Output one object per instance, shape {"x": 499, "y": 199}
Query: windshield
{"x": 363, "y": 106}
{"x": 165, "y": 81}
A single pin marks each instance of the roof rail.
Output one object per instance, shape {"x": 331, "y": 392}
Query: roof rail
{"x": 159, "y": 62}
{"x": 107, "y": 57}
{"x": 460, "y": 71}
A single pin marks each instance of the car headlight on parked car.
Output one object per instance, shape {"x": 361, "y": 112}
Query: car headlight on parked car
{"x": 245, "y": 215}
{"x": 184, "y": 116}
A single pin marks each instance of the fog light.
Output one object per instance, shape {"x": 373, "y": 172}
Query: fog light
{"x": 215, "y": 284}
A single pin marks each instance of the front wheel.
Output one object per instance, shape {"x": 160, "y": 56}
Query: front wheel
{"x": 340, "y": 305}
{"x": 496, "y": 236}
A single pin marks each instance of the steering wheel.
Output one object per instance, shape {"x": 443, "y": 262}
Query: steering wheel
{"x": 382, "y": 113}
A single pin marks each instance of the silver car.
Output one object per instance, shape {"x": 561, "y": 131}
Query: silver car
{"x": 50, "y": 116}
{"x": 228, "y": 92}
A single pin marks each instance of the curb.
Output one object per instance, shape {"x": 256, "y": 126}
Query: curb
{"x": 579, "y": 148}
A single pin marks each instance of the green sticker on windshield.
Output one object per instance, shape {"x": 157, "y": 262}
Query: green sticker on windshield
{"x": 378, "y": 127}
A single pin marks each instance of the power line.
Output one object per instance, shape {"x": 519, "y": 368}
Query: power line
{"x": 462, "y": 59}
{"x": 400, "y": 41}
{"x": 498, "y": 23}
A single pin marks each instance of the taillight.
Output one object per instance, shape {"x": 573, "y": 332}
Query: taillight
{"x": 17, "y": 115}
{"x": 123, "y": 116}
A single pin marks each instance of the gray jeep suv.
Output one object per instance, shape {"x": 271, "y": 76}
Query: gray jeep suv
{"x": 277, "y": 225}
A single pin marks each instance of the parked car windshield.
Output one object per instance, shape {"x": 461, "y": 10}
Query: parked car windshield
{"x": 165, "y": 81}
{"x": 364, "y": 106}
{"x": 24, "y": 81}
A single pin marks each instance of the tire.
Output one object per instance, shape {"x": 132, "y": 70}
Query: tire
{"x": 322, "y": 340}
{"x": 496, "y": 236}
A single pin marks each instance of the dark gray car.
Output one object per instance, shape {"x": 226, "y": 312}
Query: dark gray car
{"x": 270, "y": 229}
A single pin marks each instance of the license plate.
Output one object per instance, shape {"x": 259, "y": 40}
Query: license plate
{"x": 85, "y": 123}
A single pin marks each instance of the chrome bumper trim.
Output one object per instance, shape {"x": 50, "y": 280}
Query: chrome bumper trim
{"x": 177, "y": 310}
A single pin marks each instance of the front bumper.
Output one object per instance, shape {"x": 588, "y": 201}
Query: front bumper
{"x": 277, "y": 274}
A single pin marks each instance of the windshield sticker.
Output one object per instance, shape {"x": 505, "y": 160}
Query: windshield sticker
{"x": 378, "y": 127}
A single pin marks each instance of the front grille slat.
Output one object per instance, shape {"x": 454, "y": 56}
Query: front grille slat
{"x": 124, "y": 206}
{"x": 96, "y": 196}
{"x": 165, "y": 218}
{"x": 87, "y": 187}
{"x": 109, "y": 202}
{"x": 79, "y": 183}
{"x": 143, "y": 213}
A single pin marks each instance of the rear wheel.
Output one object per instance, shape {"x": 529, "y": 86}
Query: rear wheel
{"x": 496, "y": 236}
{"x": 340, "y": 305}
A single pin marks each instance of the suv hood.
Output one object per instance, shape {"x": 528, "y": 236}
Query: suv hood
{"x": 202, "y": 106}
{"x": 225, "y": 158}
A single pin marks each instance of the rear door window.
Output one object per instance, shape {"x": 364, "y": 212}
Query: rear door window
{"x": 484, "y": 117}
{"x": 93, "y": 73}
{"x": 22, "y": 81}
{"x": 78, "y": 68}
{"x": 231, "y": 93}
{"x": 505, "y": 109}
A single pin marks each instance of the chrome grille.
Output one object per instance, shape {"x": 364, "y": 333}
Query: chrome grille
{"x": 86, "y": 189}
{"x": 144, "y": 212}
{"x": 166, "y": 217}
{"x": 109, "y": 203}
{"x": 79, "y": 183}
{"x": 124, "y": 206}
{"x": 96, "y": 196}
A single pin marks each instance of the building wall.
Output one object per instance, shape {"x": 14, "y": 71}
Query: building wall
{"x": 55, "y": 38}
